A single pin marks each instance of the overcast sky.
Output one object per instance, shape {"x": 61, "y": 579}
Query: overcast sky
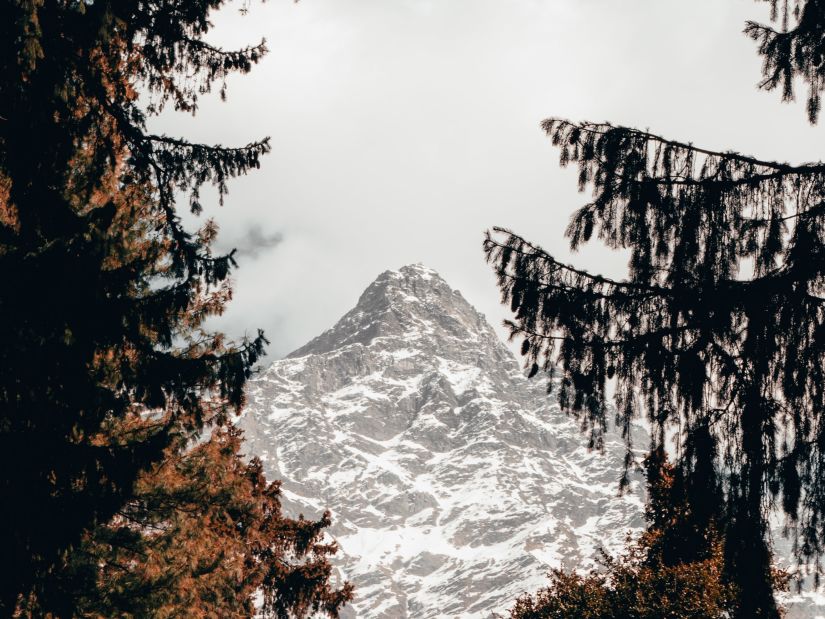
{"x": 402, "y": 129}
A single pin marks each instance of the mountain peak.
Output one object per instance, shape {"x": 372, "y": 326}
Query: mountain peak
{"x": 454, "y": 482}
{"x": 412, "y": 303}
{"x": 415, "y": 280}
{"x": 417, "y": 270}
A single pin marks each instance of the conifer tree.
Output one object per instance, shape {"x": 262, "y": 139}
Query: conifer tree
{"x": 202, "y": 536}
{"x": 675, "y": 569}
{"x": 103, "y": 293}
{"x": 719, "y": 326}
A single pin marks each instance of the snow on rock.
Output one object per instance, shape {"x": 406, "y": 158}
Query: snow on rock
{"x": 454, "y": 482}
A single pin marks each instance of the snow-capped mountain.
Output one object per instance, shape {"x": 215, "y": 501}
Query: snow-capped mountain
{"x": 454, "y": 481}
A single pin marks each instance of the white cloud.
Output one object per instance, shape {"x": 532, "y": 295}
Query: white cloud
{"x": 402, "y": 129}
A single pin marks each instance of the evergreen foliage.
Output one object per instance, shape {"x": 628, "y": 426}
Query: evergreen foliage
{"x": 675, "y": 570}
{"x": 203, "y": 536}
{"x": 107, "y": 371}
{"x": 794, "y": 53}
{"x": 718, "y": 330}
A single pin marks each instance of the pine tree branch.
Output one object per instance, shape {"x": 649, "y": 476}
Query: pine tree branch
{"x": 538, "y": 252}
{"x": 603, "y": 128}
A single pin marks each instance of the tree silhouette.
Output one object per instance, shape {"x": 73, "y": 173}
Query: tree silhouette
{"x": 103, "y": 293}
{"x": 719, "y": 326}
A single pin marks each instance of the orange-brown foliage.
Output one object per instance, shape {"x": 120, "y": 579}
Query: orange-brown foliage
{"x": 203, "y": 537}
{"x": 673, "y": 570}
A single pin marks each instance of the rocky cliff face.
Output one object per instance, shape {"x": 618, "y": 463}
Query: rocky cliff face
{"x": 454, "y": 481}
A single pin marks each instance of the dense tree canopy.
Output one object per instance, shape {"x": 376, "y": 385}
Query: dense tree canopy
{"x": 719, "y": 326}
{"x": 103, "y": 293}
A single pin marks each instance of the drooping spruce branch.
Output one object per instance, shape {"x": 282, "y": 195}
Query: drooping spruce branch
{"x": 646, "y": 187}
{"x": 797, "y": 53}
{"x": 719, "y": 323}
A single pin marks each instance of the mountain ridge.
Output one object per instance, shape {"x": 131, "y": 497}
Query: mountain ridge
{"x": 454, "y": 481}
